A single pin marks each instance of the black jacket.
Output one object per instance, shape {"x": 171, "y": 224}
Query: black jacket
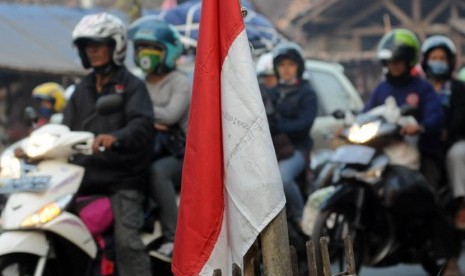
{"x": 455, "y": 114}
{"x": 295, "y": 109}
{"x": 127, "y": 168}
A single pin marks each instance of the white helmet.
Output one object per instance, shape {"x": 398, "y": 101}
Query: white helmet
{"x": 264, "y": 65}
{"x": 102, "y": 27}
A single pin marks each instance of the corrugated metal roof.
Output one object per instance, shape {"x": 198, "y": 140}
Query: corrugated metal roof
{"x": 38, "y": 38}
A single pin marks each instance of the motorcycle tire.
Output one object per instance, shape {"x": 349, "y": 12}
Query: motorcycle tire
{"x": 18, "y": 265}
{"x": 335, "y": 225}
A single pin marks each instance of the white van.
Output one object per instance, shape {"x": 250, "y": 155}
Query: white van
{"x": 335, "y": 92}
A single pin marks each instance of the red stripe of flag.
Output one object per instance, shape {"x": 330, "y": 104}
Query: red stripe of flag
{"x": 202, "y": 198}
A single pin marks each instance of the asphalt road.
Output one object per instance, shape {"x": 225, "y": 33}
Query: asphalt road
{"x": 405, "y": 270}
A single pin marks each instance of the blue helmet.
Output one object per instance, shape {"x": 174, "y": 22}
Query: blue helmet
{"x": 166, "y": 42}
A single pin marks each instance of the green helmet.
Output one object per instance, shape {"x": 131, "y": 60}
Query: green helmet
{"x": 399, "y": 44}
{"x": 461, "y": 74}
{"x": 162, "y": 35}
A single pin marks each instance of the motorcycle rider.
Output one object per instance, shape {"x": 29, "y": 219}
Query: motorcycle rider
{"x": 157, "y": 47}
{"x": 265, "y": 72}
{"x": 101, "y": 43}
{"x": 294, "y": 111}
{"x": 50, "y": 97}
{"x": 439, "y": 58}
{"x": 398, "y": 51}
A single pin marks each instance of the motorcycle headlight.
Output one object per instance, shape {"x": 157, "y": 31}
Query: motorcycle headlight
{"x": 361, "y": 134}
{"x": 39, "y": 144}
{"x": 47, "y": 212}
{"x": 10, "y": 166}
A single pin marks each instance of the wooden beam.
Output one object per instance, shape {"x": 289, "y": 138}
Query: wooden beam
{"x": 460, "y": 4}
{"x": 398, "y": 12}
{"x": 454, "y": 10}
{"x": 326, "y": 20}
{"x": 376, "y": 5}
{"x": 436, "y": 12}
{"x": 315, "y": 11}
{"x": 438, "y": 29}
{"x": 416, "y": 11}
{"x": 363, "y": 31}
{"x": 343, "y": 25}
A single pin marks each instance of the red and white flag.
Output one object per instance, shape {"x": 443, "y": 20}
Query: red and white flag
{"x": 231, "y": 186}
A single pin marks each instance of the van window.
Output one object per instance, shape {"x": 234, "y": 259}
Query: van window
{"x": 331, "y": 93}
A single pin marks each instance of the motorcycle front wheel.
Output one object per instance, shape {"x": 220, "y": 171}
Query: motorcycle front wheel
{"x": 18, "y": 265}
{"x": 335, "y": 225}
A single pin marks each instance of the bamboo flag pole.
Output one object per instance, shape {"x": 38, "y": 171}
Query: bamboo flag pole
{"x": 275, "y": 247}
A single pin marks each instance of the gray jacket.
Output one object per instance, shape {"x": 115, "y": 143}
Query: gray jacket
{"x": 171, "y": 99}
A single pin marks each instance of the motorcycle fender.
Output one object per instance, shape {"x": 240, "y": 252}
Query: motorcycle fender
{"x": 30, "y": 242}
{"x": 71, "y": 228}
{"x": 344, "y": 195}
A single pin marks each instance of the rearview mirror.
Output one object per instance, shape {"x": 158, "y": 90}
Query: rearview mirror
{"x": 109, "y": 104}
{"x": 30, "y": 115}
{"x": 339, "y": 114}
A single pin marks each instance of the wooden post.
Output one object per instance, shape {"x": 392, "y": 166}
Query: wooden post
{"x": 275, "y": 247}
{"x": 236, "y": 270}
{"x": 311, "y": 259}
{"x": 349, "y": 253}
{"x": 295, "y": 265}
{"x": 217, "y": 272}
{"x": 251, "y": 260}
{"x": 325, "y": 256}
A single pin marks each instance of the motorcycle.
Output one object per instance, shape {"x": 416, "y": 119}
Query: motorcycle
{"x": 40, "y": 234}
{"x": 373, "y": 192}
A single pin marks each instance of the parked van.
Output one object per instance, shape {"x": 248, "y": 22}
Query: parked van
{"x": 335, "y": 93}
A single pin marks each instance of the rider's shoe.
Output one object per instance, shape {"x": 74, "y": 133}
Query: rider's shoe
{"x": 164, "y": 252}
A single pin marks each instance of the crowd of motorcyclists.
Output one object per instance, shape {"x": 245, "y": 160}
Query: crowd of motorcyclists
{"x": 138, "y": 150}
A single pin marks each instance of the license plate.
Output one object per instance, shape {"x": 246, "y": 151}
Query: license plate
{"x": 25, "y": 184}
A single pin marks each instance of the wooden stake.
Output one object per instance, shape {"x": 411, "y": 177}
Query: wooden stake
{"x": 236, "y": 270}
{"x": 217, "y": 272}
{"x": 325, "y": 256}
{"x": 311, "y": 259}
{"x": 251, "y": 260}
{"x": 295, "y": 265}
{"x": 349, "y": 252}
{"x": 275, "y": 247}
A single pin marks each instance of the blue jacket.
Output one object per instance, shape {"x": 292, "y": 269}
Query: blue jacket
{"x": 417, "y": 93}
{"x": 295, "y": 109}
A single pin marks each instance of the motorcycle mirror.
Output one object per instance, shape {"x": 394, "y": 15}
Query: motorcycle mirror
{"x": 30, "y": 115}
{"x": 339, "y": 114}
{"x": 109, "y": 104}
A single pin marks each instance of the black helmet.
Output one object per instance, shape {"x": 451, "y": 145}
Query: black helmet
{"x": 400, "y": 44}
{"x": 289, "y": 50}
{"x": 438, "y": 41}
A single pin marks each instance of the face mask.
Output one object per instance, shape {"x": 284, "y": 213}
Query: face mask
{"x": 45, "y": 112}
{"x": 438, "y": 68}
{"x": 149, "y": 59}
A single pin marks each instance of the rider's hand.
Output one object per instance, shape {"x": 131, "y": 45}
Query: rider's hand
{"x": 160, "y": 127}
{"x": 411, "y": 129}
{"x": 103, "y": 140}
